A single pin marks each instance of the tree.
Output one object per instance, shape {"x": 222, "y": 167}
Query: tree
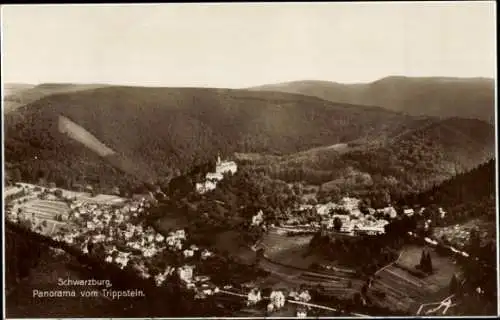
{"x": 426, "y": 262}
{"x": 429, "y": 263}
{"x": 58, "y": 193}
{"x": 422, "y": 260}
{"x": 337, "y": 224}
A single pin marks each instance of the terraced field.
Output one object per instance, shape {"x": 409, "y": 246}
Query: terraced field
{"x": 405, "y": 291}
{"x": 332, "y": 283}
{"x": 401, "y": 289}
{"x": 43, "y": 214}
{"x": 443, "y": 266}
{"x": 288, "y": 260}
{"x": 45, "y": 209}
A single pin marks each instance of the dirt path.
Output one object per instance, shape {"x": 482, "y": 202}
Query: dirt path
{"x": 390, "y": 264}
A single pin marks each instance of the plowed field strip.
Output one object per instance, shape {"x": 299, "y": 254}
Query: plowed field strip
{"x": 403, "y": 277}
{"x": 408, "y": 289}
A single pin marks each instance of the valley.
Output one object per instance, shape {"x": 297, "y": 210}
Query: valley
{"x": 304, "y": 163}
{"x": 255, "y": 161}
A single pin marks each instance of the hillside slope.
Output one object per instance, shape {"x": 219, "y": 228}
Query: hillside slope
{"x": 471, "y": 187}
{"x": 420, "y": 156}
{"x": 18, "y": 95}
{"x": 10, "y": 89}
{"x": 472, "y": 98}
{"x": 170, "y": 129}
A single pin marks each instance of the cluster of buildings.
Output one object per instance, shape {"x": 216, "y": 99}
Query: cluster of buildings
{"x": 114, "y": 232}
{"x": 211, "y": 178}
{"x": 277, "y": 299}
{"x": 353, "y": 221}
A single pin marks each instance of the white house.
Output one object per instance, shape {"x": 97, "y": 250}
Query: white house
{"x": 390, "y": 211}
{"x": 408, "y": 212}
{"x": 214, "y": 176}
{"x": 270, "y": 307}
{"x": 188, "y": 253}
{"x": 442, "y": 213}
{"x": 258, "y": 218}
{"x": 323, "y": 209}
{"x": 304, "y": 296}
{"x": 301, "y": 313}
{"x": 277, "y": 298}
{"x": 368, "y": 230}
{"x": 206, "y": 254}
{"x": 254, "y": 296}
{"x": 350, "y": 204}
{"x": 205, "y": 186}
{"x": 186, "y": 273}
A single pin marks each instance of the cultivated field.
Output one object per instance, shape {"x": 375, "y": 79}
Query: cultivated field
{"x": 45, "y": 209}
{"x": 405, "y": 291}
{"x": 288, "y": 260}
{"x": 43, "y": 214}
{"x": 338, "y": 284}
{"x": 81, "y": 196}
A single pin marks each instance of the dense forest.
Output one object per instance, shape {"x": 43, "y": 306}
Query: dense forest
{"x": 466, "y": 195}
{"x": 161, "y": 133}
{"x": 230, "y": 206}
{"x": 169, "y": 130}
{"x": 414, "y": 160}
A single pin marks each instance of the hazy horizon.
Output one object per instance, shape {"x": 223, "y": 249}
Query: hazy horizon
{"x": 245, "y": 45}
{"x": 263, "y": 84}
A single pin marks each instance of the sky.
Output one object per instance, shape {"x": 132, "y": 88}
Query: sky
{"x": 241, "y": 45}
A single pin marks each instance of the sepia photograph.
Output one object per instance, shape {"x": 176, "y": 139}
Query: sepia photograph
{"x": 249, "y": 160}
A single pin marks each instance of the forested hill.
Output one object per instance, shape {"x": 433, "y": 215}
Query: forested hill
{"x": 472, "y": 98}
{"x": 477, "y": 185}
{"x": 171, "y": 129}
{"x": 420, "y": 156}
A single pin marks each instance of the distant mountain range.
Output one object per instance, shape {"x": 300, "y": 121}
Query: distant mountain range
{"x": 19, "y": 94}
{"x": 472, "y": 98}
{"x": 160, "y": 132}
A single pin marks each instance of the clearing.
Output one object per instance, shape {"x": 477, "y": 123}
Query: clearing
{"x": 405, "y": 291}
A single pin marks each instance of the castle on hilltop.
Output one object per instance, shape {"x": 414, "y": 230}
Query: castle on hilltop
{"x": 225, "y": 166}
{"x": 211, "y": 178}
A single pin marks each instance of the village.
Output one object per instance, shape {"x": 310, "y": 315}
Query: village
{"x": 111, "y": 231}
{"x": 111, "y": 228}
